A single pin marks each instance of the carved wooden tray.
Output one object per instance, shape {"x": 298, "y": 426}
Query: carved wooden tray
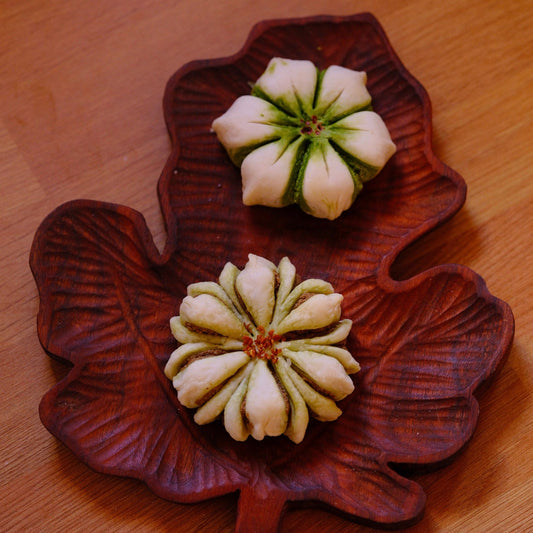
{"x": 425, "y": 344}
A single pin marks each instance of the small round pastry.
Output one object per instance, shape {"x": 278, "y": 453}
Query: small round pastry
{"x": 261, "y": 351}
{"x": 305, "y": 136}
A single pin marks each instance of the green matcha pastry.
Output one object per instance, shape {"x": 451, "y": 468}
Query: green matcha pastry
{"x": 305, "y": 136}
{"x": 261, "y": 351}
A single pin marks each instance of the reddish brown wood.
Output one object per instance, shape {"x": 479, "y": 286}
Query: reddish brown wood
{"x": 425, "y": 344}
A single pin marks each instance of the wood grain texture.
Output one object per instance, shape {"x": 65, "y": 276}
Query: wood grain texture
{"x": 81, "y": 117}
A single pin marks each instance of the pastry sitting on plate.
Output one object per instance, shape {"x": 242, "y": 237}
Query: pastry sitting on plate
{"x": 305, "y": 136}
{"x": 261, "y": 351}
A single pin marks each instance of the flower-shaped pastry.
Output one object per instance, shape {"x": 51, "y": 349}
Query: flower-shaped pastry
{"x": 424, "y": 344}
{"x": 305, "y": 136}
{"x": 234, "y": 360}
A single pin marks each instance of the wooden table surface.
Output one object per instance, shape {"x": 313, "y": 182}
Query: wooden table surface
{"x": 81, "y": 86}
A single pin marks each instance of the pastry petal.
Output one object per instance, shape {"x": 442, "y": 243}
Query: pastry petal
{"x": 319, "y": 311}
{"x": 299, "y": 414}
{"x": 328, "y": 187}
{"x": 266, "y": 408}
{"x": 290, "y": 84}
{"x": 233, "y": 419}
{"x": 255, "y": 285}
{"x": 365, "y": 137}
{"x": 266, "y": 172}
{"x": 248, "y": 123}
{"x": 211, "y": 409}
{"x": 324, "y": 371}
{"x": 323, "y": 408}
{"x": 208, "y": 312}
{"x": 342, "y": 91}
{"x": 201, "y": 376}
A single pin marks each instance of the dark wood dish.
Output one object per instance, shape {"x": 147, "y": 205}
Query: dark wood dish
{"x": 425, "y": 344}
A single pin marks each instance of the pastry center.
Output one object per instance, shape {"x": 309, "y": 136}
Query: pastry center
{"x": 311, "y": 126}
{"x": 261, "y": 344}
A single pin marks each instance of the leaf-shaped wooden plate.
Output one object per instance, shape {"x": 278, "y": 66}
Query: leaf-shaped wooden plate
{"x": 425, "y": 344}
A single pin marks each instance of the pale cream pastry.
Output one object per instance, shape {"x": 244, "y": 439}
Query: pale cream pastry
{"x": 305, "y": 136}
{"x": 261, "y": 351}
